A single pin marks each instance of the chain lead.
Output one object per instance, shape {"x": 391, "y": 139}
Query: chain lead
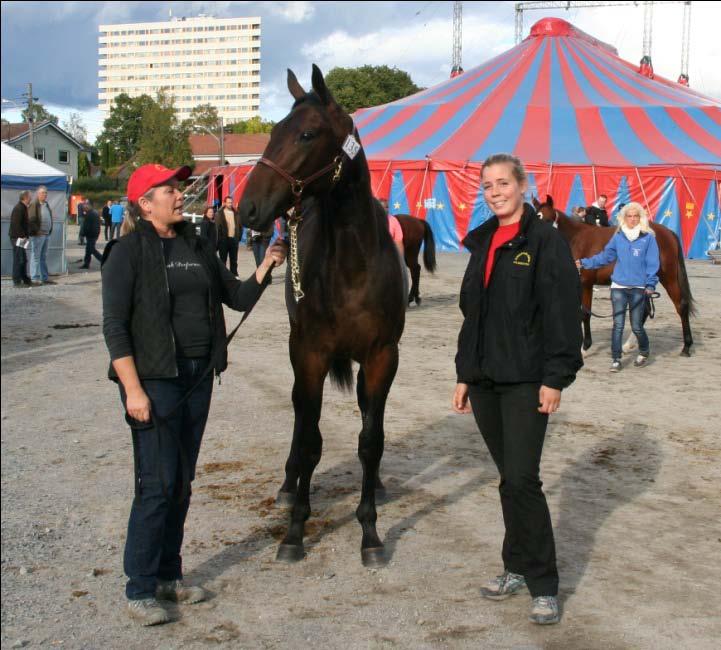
{"x": 294, "y": 263}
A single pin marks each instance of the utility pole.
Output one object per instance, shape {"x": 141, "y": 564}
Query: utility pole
{"x": 222, "y": 140}
{"x": 456, "y": 68}
{"x": 30, "y": 118}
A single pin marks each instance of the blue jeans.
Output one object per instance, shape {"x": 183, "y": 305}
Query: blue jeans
{"x": 260, "y": 246}
{"x": 635, "y": 301}
{"x": 115, "y": 230}
{"x": 157, "y": 517}
{"x": 38, "y": 258}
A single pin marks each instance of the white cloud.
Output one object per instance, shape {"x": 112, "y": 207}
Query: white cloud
{"x": 292, "y": 12}
{"x": 424, "y": 51}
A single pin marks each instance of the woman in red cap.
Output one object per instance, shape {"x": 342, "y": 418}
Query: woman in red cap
{"x": 163, "y": 290}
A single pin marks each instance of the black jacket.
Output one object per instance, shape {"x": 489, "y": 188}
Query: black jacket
{"x": 222, "y": 224}
{"x": 137, "y": 318}
{"x": 91, "y": 225}
{"x": 35, "y": 217}
{"x": 525, "y": 326}
{"x": 106, "y": 216}
{"x": 209, "y": 230}
{"x": 19, "y": 222}
{"x": 593, "y": 213}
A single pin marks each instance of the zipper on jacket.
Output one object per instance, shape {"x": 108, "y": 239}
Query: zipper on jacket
{"x": 167, "y": 289}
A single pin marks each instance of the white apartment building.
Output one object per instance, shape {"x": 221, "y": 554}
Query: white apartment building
{"x": 201, "y": 60}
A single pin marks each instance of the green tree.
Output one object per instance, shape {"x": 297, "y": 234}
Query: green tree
{"x": 39, "y": 114}
{"x": 74, "y": 126}
{"x": 253, "y": 125}
{"x": 203, "y": 115}
{"x": 355, "y": 88}
{"x": 119, "y": 140}
{"x": 162, "y": 138}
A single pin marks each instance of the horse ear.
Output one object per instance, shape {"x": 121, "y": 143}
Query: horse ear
{"x": 536, "y": 202}
{"x": 294, "y": 87}
{"x": 549, "y": 200}
{"x": 319, "y": 86}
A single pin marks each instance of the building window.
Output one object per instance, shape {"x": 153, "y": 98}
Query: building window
{"x": 40, "y": 153}
{"x": 63, "y": 156}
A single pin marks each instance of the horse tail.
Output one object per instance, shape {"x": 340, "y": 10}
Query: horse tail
{"x": 688, "y": 305}
{"x": 341, "y": 374}
{"x": 429, "y": 248}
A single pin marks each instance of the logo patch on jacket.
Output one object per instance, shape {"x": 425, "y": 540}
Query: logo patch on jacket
{"x": 636, "y": 252}
{"x": 522, "y": 259}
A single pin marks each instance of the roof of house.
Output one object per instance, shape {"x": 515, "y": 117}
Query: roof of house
{"x": 235, "y": 144}
{"x": 19, "y": 130}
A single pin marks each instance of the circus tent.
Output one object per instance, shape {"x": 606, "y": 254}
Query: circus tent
{"x": 584, "y": 122}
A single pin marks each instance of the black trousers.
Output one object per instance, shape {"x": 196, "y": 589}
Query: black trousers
{"x": 108, "y": 227}
{"x": 90, "y": 250}
{"x": 228, "y": 247}
{"x": 508, "y": 418}
{"x": 20, "y": 268}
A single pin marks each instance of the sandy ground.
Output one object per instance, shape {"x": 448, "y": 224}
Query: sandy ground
{"x": 631, "y": 470}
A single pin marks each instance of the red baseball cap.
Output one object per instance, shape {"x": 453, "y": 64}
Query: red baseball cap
{"x": 149, "y": 176}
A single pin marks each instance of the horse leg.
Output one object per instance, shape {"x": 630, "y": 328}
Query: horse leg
{"x": 586, "y": 302}
{"x": 378, "y": 373}
{"x": 310, "y": 372}
{"x": 363, "y": 405}
{"x": 673, "y": 289}
{"x": 287, "y": 492}
{"x": 415, "y": 282}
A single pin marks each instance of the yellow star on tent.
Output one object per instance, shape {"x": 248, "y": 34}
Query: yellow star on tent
{"x": 461, "y": 206}
{"x": 668, "y": 213}
{"x": 441, "y": 206}
{"x": 419, "y": 205}
{"x": 396, "y": 206}
{"x": 710, "y": 216}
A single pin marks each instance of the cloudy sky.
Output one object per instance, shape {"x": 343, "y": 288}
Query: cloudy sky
{"x": 54, "y": 44}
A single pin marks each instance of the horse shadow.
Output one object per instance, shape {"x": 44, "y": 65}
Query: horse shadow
{"x": 404, "y": 475}
{"x": 611, "y": 474}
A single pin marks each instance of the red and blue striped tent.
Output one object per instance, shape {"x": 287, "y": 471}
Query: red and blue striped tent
{"x": 583, "y": 121}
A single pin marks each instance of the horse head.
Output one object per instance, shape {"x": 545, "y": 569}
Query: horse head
{"x": 546, "y": 211}
{"x": 303, "y": 158}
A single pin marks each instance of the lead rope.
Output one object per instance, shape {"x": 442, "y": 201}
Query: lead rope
{"x": 293, "y": 223}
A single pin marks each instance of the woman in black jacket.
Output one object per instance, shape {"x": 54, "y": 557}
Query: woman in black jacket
{"x": 163, "y": 290}
{"x": 519, "y": 346}
{"x": 208, "y": 227}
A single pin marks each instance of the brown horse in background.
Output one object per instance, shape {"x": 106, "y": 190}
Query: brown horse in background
{"x": 416, "y": 232}
{"x": 586, "y": 240}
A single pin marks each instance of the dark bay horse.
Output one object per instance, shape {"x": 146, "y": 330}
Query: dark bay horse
{"x": 416, "y": 232}
{"x": 586, "y": 240}
{"x": 344, "y": 291}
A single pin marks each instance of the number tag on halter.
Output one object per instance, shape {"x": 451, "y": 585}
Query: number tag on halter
{"x": 351, "y": 146}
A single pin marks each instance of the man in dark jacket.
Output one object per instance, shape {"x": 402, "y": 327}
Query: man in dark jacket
{"x": 596, "y": 214}
{"x": 230, "y": 232}
{"x": 18, "y": 234}
{"x": 107, "y": 220}
{"x": 90, "y": 230}
{"x": 40, "y": 227}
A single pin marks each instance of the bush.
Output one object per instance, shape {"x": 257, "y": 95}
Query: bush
{"x": 94, "y": 185}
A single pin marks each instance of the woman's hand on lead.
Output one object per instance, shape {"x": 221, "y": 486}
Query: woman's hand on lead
{"x": 276, "y": 254}
{"x": 460, "y": 399}
{"x": 137, "y": 405}
{"x": 549, "y": 400}
{"x": 578, "y": 265}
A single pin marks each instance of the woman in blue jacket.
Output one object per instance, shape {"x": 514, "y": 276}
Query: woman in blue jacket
{"x": 634, "y": 249}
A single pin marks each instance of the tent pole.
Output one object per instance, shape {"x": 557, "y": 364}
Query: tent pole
{"x": 687, "y": 186}
{"x": 423, "y": 185}
{"x": 643, "y": 191}
{"x": 385, "y": 173}
{"x": 548, "y": 184}
{"x": 595, "y": 188}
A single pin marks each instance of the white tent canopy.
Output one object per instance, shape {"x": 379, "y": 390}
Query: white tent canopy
{"x": 22, "y": 172}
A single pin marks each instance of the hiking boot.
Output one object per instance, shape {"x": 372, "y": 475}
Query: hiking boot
{"x": 641, "y": 360}
{"x": 504, "y": 586}
{"x": 49, "y": 282}
{"x": 544, "y": 610}
{"x": 616, "y": 365}
{"x": 176, "y": 591}
{"x": 147, "y": 611}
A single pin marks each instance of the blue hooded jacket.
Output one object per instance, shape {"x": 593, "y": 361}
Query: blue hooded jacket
{"x": 637, "y": 261}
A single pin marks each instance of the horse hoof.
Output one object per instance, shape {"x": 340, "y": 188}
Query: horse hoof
{"x": 685, "y": 353}
{"x": 290, "y": 553}
{"x": 285, "y": 499}
{"x": 373, "y": 557}
{"x": 418, "y": 301}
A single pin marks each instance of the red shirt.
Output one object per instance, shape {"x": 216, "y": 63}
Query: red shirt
{"x": 502, "y": 235}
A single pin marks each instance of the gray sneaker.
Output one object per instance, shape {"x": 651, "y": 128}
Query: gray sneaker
{"x": 176, "y": 591}
{"x": 615, "y": 365}
{"x": 504, "y": 586}
{"x": 147, "y": 611}
{"x": 544, "y": 610}
{"x": 641, "y": 360}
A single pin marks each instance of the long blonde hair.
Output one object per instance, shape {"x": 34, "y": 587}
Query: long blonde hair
{"x": 133, "y": 214}
{"x": 643, "y": 222}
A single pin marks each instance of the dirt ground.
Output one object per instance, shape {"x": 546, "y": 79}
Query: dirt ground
{"x": 631, "y": 469}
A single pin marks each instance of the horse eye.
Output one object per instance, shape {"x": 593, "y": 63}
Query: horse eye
{"x": 306, "y": 136}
